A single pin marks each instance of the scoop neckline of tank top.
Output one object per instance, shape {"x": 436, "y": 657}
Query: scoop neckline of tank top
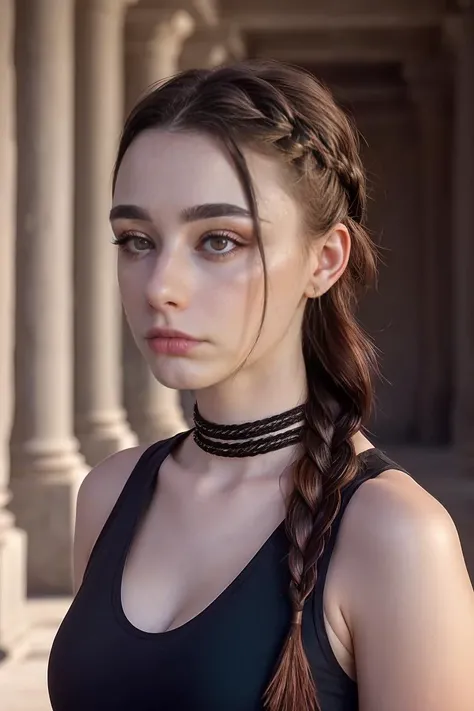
{"x": 218, "y": 601}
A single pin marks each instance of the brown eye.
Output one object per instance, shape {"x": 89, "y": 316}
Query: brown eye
{"x": 133, "y": 244}
{"x": 219, "y": 244}
{"x": 139, "y": 244}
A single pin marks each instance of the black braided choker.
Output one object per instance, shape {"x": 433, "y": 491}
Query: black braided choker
{"x": 250, "y": 438}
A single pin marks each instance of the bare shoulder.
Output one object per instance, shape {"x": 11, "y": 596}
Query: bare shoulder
{"x": 405, "y": 580}
{"x": 410, "y": 530}
{"x": 395, "y": 506}
{"x": 384, "y": 523}
{"x": 96, "y": 498}
{"x": 391, "y": 519}
{"x": 103, "y": 484}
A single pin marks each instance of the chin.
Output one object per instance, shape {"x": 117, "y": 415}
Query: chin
{"x": 182, "y": 374}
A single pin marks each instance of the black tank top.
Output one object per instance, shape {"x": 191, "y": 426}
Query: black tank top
{"x": 221, "y": 660}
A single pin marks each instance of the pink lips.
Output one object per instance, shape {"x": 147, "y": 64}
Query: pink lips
{"x": 165, "y": 341}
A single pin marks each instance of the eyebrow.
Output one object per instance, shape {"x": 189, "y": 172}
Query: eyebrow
{"x": 129, "y": 212}
{"x": 189, "y": 214}
{"x": 209, "y": 210}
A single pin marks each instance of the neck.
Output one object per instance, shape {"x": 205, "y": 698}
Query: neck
{"x": 255, "y": 393}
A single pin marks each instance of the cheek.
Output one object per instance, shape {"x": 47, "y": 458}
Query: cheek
{"x": 236, "y": 293}
{"x": 286, "y": 285}
{"x": 233, "y": 296}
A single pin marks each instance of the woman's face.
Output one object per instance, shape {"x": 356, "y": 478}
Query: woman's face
{"x": 189, "y": 260}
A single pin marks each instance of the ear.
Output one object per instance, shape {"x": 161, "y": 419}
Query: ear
{"x": 329, "y": 256}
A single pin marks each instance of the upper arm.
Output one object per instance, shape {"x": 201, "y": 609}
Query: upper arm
{"x": 411, "y": 610}
{"x": 96, "y": 498}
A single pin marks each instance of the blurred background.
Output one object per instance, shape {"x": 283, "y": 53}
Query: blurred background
{"x": 73, "y": 388}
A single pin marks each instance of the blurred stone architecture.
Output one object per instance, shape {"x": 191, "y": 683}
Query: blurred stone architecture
{"x": 72, "y": 387}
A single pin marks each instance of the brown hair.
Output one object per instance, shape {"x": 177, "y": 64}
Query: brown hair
{"x": 280, "y": 108}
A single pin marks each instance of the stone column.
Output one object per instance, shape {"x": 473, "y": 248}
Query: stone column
{"x": 12, "y": 540}
{"x": 427, "y": 82}
{"x": 209, "y": 47}
{"x": 46, "y": 466}
{"x": 462, "y": 242}
{"x": 100, "y": 419}
{"x": 154, "y": 44}
{"x": 153, "y": 48}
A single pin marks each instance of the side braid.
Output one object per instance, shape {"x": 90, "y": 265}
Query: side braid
{"x": 339, "y": 361}
{"x": 327, "y": 465}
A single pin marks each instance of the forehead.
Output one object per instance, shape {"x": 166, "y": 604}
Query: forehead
{"x": 172, "y": 170}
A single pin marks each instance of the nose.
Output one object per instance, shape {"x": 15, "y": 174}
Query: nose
{"x": 168, "y": 286}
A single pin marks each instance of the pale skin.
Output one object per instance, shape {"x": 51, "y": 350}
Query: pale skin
{"x": 399, "y": 605}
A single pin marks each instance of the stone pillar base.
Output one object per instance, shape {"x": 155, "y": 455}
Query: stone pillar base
{"x": 13, "y": 621}
{"x": 44, "y": 504}
{"x": 103, "y": 437}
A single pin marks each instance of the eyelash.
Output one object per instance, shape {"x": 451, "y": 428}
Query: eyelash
{"x": 127, "y": 237}
{"x": 122, "y": 242}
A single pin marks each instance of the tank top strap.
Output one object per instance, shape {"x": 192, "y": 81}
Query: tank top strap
{"x": 131, "y": 503}
{"x": 372, "y": 463}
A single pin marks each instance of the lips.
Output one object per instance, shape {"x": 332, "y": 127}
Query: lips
{"x": 165, "y": 341}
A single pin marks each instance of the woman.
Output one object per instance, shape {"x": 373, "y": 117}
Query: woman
{"x": 272, "y": 558}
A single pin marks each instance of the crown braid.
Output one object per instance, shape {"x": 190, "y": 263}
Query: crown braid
{"x": 304, "y": 145}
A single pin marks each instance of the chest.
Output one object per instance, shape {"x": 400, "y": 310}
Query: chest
{"x": 220, "y": 658}
{"x": 179, "y": 569}
{"x": 181, "y": 561}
